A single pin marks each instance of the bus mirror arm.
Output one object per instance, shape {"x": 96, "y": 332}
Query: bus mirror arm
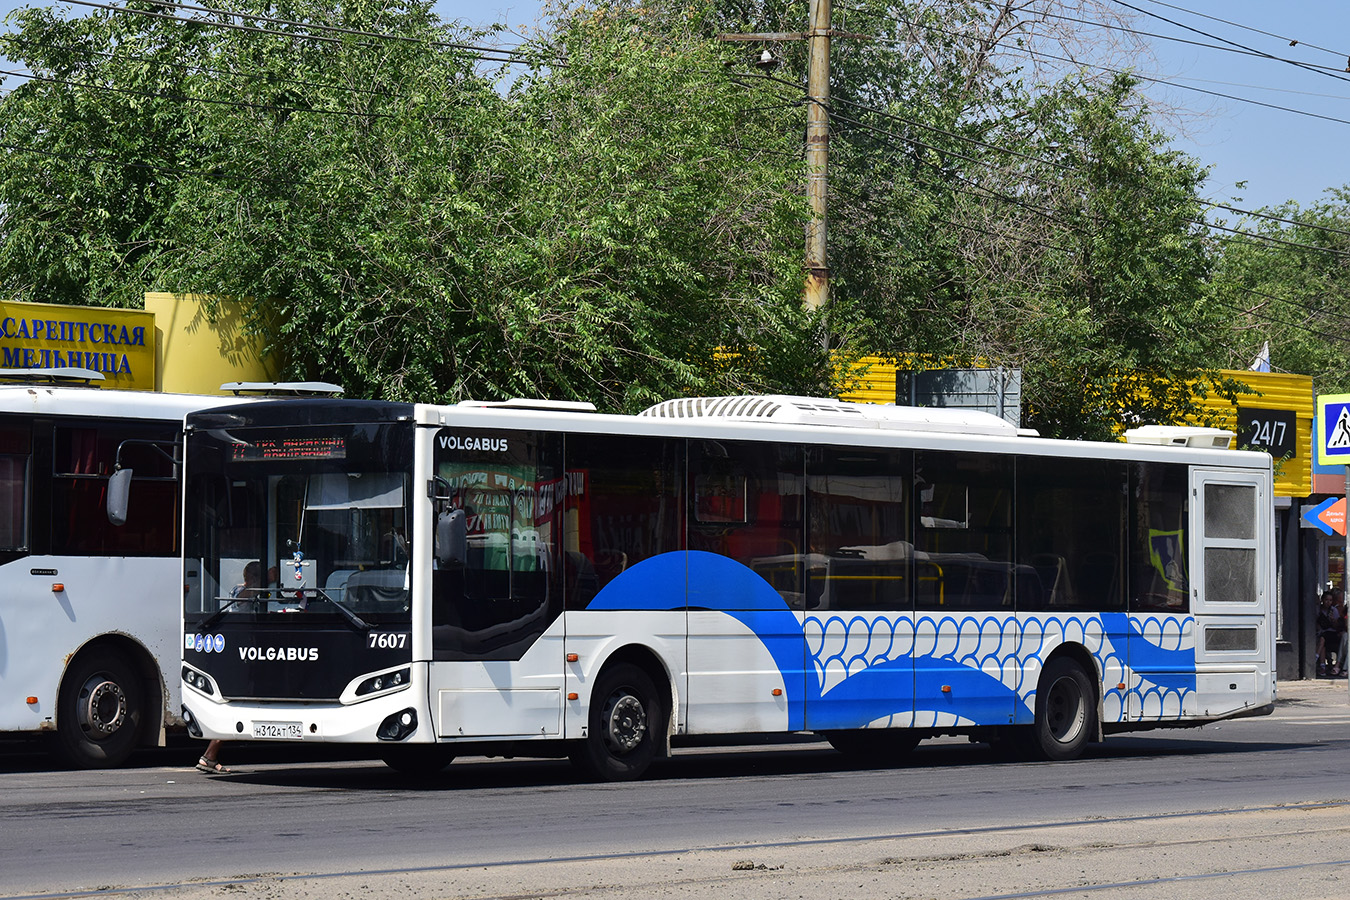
{"x": 119, "y": 484}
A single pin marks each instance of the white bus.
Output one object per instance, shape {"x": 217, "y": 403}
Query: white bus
{"x": 536, "y": 579}
{"x": 88, "y": 609}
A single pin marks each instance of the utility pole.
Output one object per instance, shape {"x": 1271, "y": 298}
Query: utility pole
{"x": 817, "y": 153}
{"x": 817, "y": 294}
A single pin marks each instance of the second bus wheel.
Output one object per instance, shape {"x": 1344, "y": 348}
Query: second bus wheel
{"x": 624, "y": 726}
{"x": 875, "y": 746}
{"x": 1066, "y": 712}
{"x": 98, "y": 715}
{"x": 417, "y": 760}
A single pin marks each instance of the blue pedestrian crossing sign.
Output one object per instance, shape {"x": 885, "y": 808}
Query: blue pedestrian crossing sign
{"x": 1333, "y": 430}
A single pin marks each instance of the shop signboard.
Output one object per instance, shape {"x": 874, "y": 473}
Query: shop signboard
{"x": 119, "y": 344}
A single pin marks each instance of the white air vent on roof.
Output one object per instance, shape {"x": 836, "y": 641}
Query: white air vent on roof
{"x": 282, "y": 388}
{"x": 771, "y": 408}
{"x": 1180, "y": 436}
{"x": 827, "y": 411}
{"x": 528, "y": 403}
{"x": 65, "y": 375}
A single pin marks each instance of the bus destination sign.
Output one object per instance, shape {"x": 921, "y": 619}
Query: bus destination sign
{"x": 291, "y": 448}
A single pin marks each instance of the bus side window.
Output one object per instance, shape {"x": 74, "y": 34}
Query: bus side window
{"x": 14, "y": 457}
{"x": 618, "y": 513}
{"x": 83, "y": 458}
{"x": 1159, "y": 575}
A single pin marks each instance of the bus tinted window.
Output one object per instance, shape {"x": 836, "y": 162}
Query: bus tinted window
{"x": 1159, "y": 578}
{"x": 858, "y": 522}
{"x": 505, "y": 590}
{"x": 623, "y": 506}
{"x": 765, "y": 482}
{"x": 83, "y": 458}
{"x": 963, "y": 540}
{"x": 14, "y": 458}
{"x": 1070, "y": 534}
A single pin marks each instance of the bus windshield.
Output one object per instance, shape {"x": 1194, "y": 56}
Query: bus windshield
{"x": 298, "y": 527}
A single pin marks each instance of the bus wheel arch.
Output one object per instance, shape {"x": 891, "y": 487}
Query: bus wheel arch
{"x": 110, "y": 699}
{"x": 1068, "y": 706}
{"x": 628, "y": 720}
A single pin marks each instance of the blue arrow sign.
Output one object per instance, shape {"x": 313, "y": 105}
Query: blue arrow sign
{"x": 1314, "y": 515}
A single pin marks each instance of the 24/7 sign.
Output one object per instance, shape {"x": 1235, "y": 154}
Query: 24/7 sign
{"x": 1272, "y": 430}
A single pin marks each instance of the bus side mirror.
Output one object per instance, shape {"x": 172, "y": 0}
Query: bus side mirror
{"x": 119, "y": 492}
{"x": 452, "y": 542}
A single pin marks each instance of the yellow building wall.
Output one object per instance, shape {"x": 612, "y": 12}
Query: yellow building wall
{"x": 1275, "y": 390}
{"x": 872, "y": 380}
{"x": 196, "y": 354}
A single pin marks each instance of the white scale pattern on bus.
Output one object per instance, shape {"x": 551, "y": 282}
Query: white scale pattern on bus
{"x": 840, "y": 647}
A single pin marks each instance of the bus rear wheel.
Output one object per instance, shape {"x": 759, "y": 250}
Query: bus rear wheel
{"x": 99, "y": 712}
{"x": 625, "y": 723}
{"x": 1066, "y": 712}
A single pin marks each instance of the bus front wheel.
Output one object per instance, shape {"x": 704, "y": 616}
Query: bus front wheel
{"x": 98, "y": 715}
{"x": 625, "y": 723}
{"x": 417, "y": 760}
{"x": 1066, "y": 712}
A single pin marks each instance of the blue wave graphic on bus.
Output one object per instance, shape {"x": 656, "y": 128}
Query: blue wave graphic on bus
{"x": 950, "y": 683}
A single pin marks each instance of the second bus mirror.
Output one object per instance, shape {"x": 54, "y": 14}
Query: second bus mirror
{"x": 452, "y": 542}
{"x": 119, "y": 492}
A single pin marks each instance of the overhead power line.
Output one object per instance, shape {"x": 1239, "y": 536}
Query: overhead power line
{"x": 481, "y": 52}
{"x": 1320, "y": 70}
{"x": 1292, "y": 41}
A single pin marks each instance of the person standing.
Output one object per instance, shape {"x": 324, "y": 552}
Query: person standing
{"x": 1338, "y": 623}
{"x": 1326, "y": 631}
{"x": 209, "y": 762}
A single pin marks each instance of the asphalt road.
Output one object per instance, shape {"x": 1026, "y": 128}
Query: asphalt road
{"x": 1255, "y": 808}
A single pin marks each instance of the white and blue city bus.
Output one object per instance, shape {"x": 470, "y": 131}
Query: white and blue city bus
{"x": 534, "y": 578}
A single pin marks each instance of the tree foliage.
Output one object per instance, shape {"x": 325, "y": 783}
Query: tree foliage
{"x": 619, "y": 227}
{"x": 1286, "y": 288}
{"x": 621, "y": 220}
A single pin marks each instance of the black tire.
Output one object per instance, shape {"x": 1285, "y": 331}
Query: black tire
{"x": 875, "y": 746}
{"x": 1066, "y": 712}
{"x": 417, "y": 760}
{"x": 99, "y": 712}
{"x": 625, "y": 726}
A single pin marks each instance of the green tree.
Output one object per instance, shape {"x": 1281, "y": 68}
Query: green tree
{"x": 1289, "y": 287}
{"x": 619, "y": 226}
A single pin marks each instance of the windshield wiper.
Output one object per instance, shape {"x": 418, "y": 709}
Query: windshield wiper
{"x": 356, "y": 621}
{"x": 215, "y": 616}
{"x": 352, "y": 618}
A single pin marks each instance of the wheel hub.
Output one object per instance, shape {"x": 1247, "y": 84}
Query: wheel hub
{"x": 102, "y": 708}
{"x": 1065, "y": 712}
{"x": 625, "y": 722}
